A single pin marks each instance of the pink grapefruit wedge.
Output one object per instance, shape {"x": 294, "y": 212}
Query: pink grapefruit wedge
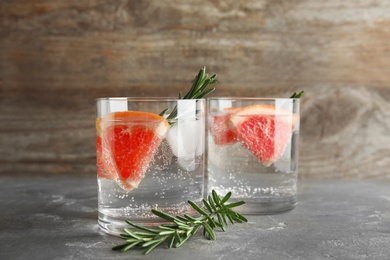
{"x": 264, "y": 130}
{"x": 129, "y": 141}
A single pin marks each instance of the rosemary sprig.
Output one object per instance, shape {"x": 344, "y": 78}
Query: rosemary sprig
{"x": 214, "y": 213}
{"x": 297, "y": 95}
{"x": 200, "y": 89}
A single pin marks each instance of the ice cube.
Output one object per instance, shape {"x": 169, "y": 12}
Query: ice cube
{"x": 186, "y": 140}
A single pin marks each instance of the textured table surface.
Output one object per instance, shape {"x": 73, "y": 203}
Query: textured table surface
{"x": 56, "y": 218}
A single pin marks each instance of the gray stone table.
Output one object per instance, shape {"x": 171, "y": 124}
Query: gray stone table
{"x": 55, "y": 218}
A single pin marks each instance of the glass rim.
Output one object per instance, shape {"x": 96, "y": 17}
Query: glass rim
{"x": 250, "y": 98}
{"x": 147, "y": 99}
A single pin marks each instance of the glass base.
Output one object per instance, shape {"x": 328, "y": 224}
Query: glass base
{"x": 115, "y": 225}
{"x": 266, "y": 206}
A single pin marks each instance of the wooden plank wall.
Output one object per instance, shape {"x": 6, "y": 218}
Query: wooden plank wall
{"x": 57, "y": 56}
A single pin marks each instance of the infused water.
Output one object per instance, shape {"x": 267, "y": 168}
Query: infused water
{"x": 253, "y": 152}
{"x": 145, "y": 162}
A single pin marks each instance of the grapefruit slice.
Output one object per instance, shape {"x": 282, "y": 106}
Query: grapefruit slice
{"x": 265, "y": 130}
{"x": 129, "y": 141}
{"x": 220, "y": 129}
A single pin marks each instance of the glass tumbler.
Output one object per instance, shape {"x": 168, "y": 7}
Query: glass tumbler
{"x": 252, "y": 147}
{"x": 150, "y": 155}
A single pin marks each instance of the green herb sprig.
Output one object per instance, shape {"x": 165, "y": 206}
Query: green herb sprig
{"x": 200, "y": 89}
{"x": 297, "y": 95}
{"x": 214, "y": 213}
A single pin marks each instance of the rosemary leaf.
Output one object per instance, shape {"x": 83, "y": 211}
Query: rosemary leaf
{"x": 151, "y": 242}
{"x": 162, "y": 113}
{"x": 166, "y": 232}
{"x": 208, "y": 207}
{"x": 182, "y": 218}
{"x": 209, "y": 230}
{"x": 212, "y": 204}
{"x": 165, "y": 216}
{"x": 220, "y": 220}
{"x": 196, "y": 229}
{"x": 120, "y": 247}
{"x": 171, "y": 241}
{"x": 188, "y": 217}
{"x": 164, "y": 227}
{"x": 177, "y": 236}
{"x": 197, "y": 208}
{"x": 216, "y": 198}
{"x": 227, "y": 197}
{"x": 182, "y": 241}
{"x": 180, "y": 224}
{"x": 153, "y": 246}
{"x": 141, "y": 227}
{"x": 297, "y": 95}
{"x": 185, "y": 228}
{"x": 124, "y": 236}
{"x": 132, "y": 233}
{"x": 235, "y": 204}
{"x": 132, "y": 240}
{"x": 144, "y": 234}
{"x": 130, "y": 246}
{"x": 243, "y": 219}
{"x": 203, "y": 94}
{"x": 218, "y": 224}
{"x": 230, "y": 218}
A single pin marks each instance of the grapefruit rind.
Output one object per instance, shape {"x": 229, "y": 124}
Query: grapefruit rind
{"x": 265, "y": 130}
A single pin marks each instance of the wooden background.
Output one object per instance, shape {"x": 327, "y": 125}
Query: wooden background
{"x": 57, "y": 56}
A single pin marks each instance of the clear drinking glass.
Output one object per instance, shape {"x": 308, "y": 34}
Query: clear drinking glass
{"x": 146, "y": 161}
{"x": 253, "y": 152}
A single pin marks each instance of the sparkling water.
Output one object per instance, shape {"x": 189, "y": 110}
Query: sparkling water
{"x": 174, "y": 176}
{"x": 265, "y": 189}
